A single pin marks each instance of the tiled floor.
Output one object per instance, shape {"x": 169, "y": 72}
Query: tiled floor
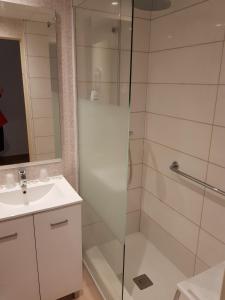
{"x": 89, "y": 291}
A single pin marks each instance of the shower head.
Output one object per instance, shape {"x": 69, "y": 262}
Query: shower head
{"x": 152, "y": 4}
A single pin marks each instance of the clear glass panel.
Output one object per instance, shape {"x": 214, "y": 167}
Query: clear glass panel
{"x": 103, "y": 52}
{"x": 180, "y": 52}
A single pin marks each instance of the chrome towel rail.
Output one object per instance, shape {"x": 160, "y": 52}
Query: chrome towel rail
{"x": 175, "y": 168}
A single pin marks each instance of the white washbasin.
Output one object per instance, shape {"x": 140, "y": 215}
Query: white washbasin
{"x": 35, "y": 193}
{"x": 40, "y": 196}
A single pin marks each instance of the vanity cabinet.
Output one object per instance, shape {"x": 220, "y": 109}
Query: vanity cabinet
{"x": 18, "y": 265}
{"x": 59, "y": 252}
{"x": 40, "y": 255}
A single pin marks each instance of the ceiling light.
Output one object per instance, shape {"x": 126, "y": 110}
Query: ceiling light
{"x": 115, "y": 3}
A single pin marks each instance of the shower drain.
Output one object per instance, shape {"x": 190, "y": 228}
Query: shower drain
{"x": 142, "y": 281}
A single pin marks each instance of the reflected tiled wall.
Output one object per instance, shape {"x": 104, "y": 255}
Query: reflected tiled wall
{"x": 38, "y": 37}
{"x": 185, "y": 123}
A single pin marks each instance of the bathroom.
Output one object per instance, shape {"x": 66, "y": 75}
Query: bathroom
{"x": 112, "y": 166}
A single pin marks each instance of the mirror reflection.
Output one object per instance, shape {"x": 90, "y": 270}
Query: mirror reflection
{"x": 29, "y": 98}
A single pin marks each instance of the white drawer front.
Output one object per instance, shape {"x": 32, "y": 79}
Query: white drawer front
{"x": 18, "y": 268}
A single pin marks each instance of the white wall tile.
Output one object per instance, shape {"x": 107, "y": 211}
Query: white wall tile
{"x": 43, "y": 127}
{"x": 175, "y": 224}
{"x": 37, "y": 45}
{"x": 125, "y": 33}
{"x": 218, "y": 146}
{"x": 140, "y": 67}
{"x": 194, "y": 25}
{"x": 36, "y": 27}
{"x": 141, "y": 34}
{"x": 42, "y": 108}
{"x": 213, "y": 218}
{"x": 136, "y": 148}
{"x": 96, "y": 29}
{"x": 200, "y": 266}
{"x": 136, "y": 176}
{"x": 39, "y": 67}
{"x": 199, "y": 64}
{"x": 138, "y": 97}
{"x": 220, "y": 107}
{"x": 185, "y": 198}
{"x": 45, "y": 156}
{"x": 160, "y": 158}
{"x": 188, "y": 137}
{"x": 137, "y": 125}
{"x": 210, "y": 251}
{"x": 126, "y": 8}
{"x": 134, "y": 199}
{"x": 40, "y": 88}
{"x": 96, "y": 64}
{"x": 125, "y": 66}
{"x": 216, "y": 176}
{"x": 133, "y": 222}
{"x": 45, "y": 144}
{"x": 168, "y": 245}
{"x": 192, "y": 102}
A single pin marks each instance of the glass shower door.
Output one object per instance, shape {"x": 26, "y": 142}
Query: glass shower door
{"x": 103, "y": 55}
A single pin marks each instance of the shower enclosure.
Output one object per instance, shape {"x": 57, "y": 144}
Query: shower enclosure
{"x": 103, "y": 55}
{"x": 147, "y": 225}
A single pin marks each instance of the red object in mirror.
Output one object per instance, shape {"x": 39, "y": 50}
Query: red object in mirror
{"x": 3, "y": 119}
{"x": 1, "y": 92}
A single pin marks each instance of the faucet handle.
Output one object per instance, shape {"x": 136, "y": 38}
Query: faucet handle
{"x": 22, "y": 173}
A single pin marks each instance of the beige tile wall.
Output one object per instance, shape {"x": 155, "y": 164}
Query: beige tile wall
{"x": 185, "y": 115}
{"x": 68, "y": 165}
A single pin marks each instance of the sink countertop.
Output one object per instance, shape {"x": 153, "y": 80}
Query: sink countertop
{"x": 59, "y": 194}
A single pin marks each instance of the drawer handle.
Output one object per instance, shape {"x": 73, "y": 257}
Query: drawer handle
{"x": 61, "y": 223}
{"x": 8, "y": 237}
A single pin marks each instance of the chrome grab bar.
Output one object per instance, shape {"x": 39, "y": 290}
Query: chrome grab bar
{"x": 175, "y": 168}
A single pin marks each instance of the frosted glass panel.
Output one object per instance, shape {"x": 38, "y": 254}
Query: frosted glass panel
{"x": 103, "y": 38}
{"x": 103, "y": 161}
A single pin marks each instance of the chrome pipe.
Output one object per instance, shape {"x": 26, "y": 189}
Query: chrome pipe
{"x": 176, "y": 168}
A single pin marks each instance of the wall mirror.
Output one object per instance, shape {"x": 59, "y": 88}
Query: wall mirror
{"x": 29, "y": 97}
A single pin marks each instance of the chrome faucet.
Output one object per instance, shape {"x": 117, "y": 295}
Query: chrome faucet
{"x": 23, "y": 180}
